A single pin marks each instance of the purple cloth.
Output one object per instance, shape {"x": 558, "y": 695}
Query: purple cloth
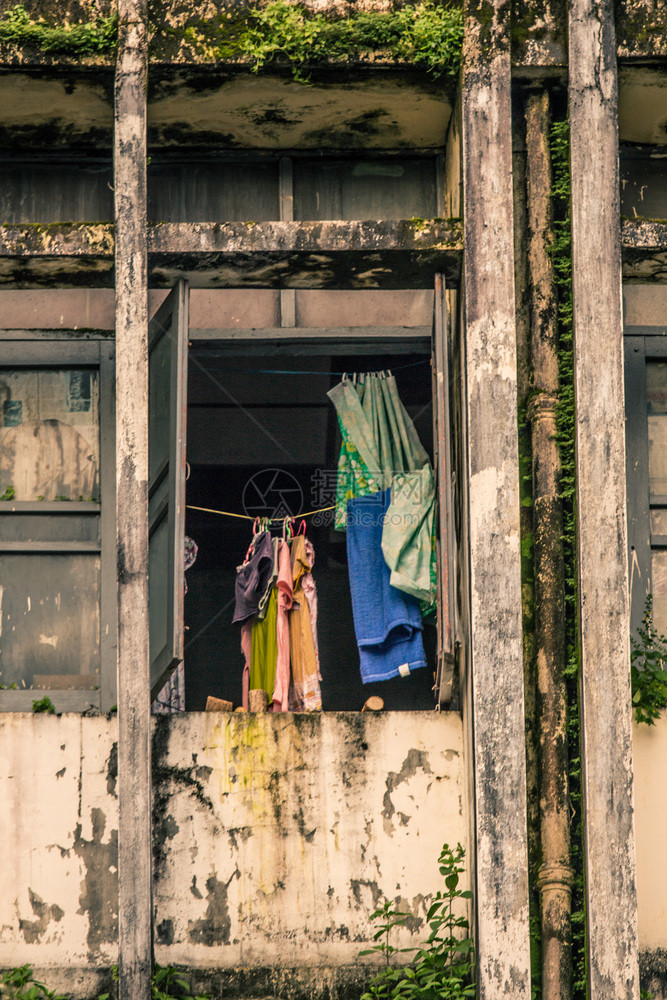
{"x": 253, "y": 576}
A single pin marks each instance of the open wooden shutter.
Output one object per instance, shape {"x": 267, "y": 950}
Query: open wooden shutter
{"x": 167, "y": 395}
{"x": 446, "y": 595}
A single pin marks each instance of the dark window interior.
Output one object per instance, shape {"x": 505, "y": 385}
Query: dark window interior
{"x": 643, "y": 187}
{"x": 244, "y": 419}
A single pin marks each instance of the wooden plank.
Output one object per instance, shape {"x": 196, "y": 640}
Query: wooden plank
{"x": 312, "y": 335}
{"x": 601, "y": 498}
{"x": 108, "y": 581}
{"x": 49, "y": 546}
{"x": 166, "y": 487}
{"x": 41, "y": 354}
{"x": 134, "y": 782}
{"x": 57, "y": 335}
{"x": 493, "y": 504}
{"x": 446, "y": 624}
{"x": 77, "y": 507}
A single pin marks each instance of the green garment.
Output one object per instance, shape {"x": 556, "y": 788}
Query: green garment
{"x": 264, "y": 648}
{"x": 381, "y": 448}
{"x": 408, "y": 535}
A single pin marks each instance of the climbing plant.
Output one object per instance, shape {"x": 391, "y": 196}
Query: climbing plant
{"x": 92, "y": 37}
{"x": 561, "y": 255}
{"x": 648, "y": 659}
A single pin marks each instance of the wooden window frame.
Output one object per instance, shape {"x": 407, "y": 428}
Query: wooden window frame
{"x": 55, "y": 349}
{"x": 642, "y": 344}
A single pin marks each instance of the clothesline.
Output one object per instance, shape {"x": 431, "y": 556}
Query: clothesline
{"x": 248, "y": 517}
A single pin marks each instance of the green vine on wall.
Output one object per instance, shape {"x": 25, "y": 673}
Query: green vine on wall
{"x": 428, "y": 35}
{"x": 93, "y": 37}
{"x": 561, "y": 255}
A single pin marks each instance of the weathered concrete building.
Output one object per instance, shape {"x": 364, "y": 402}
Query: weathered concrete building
{"x": 209, "y": 213}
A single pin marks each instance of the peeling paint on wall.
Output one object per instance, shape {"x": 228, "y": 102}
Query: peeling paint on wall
{"x": 275, "y": 837}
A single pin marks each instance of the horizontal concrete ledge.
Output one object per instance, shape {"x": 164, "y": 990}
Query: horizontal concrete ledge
{"x": 340, "y": 254}
{"x": 644, "y": 244}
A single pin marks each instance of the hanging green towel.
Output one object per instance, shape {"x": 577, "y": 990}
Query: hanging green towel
{"x": 408, "y": 536}
{"x": 381, "y": 448}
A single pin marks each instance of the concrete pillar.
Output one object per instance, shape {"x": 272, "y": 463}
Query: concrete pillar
{"x": 600, "y": 449}
{"x": 134, "y": 788}
{"x": 495, "y": 572}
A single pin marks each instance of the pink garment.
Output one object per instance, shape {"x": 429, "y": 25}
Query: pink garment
{"x": 246, "y": 646}
{"x": 310, "y": 590}
{"x": 284, "y": 585}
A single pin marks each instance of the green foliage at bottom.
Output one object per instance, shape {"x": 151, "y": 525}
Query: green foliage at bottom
{"x": 442, "y": 967}
{"x": 166, "y": 984}
{"x": 19, "y": 984}
{"x": 648, "y": 658}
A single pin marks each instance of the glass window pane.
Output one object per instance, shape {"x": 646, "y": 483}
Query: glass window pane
{"x": 659, "y": 582}
{"x": 49, "y": 434}
{"x": 656, "y": 398}
{"x": 49, "y": 618}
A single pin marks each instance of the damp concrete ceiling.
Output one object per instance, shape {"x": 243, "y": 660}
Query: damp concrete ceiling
{"x": 376, "y": 111}
{"x": 51, "y": 112}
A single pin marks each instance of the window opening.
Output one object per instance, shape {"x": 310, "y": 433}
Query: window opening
{"x": 263, "y": 439}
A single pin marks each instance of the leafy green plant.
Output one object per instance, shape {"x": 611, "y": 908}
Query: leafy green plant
{"x": 427, "y": 34}
{"x": 18, "y": 984}
{"x": 44, "y": 705}
{"x": 94, "y": 37}
{"x": 442, "y": 968}
{"x": 9, "y": 493}
{"x": 648, "y": 658}
{"x": 166, "y": 984}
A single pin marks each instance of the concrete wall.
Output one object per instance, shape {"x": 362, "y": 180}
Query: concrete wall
{"x": 274, "y": 839}
{"x": 650, "y": 766}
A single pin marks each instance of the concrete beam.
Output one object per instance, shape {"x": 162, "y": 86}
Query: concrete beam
{"x": 601, "y": 498}
{"x": 644, "y": 243}
{"x": 341, "y": 254}
{"x": 135, "y": 908}
{"x": 493, "y": 462}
